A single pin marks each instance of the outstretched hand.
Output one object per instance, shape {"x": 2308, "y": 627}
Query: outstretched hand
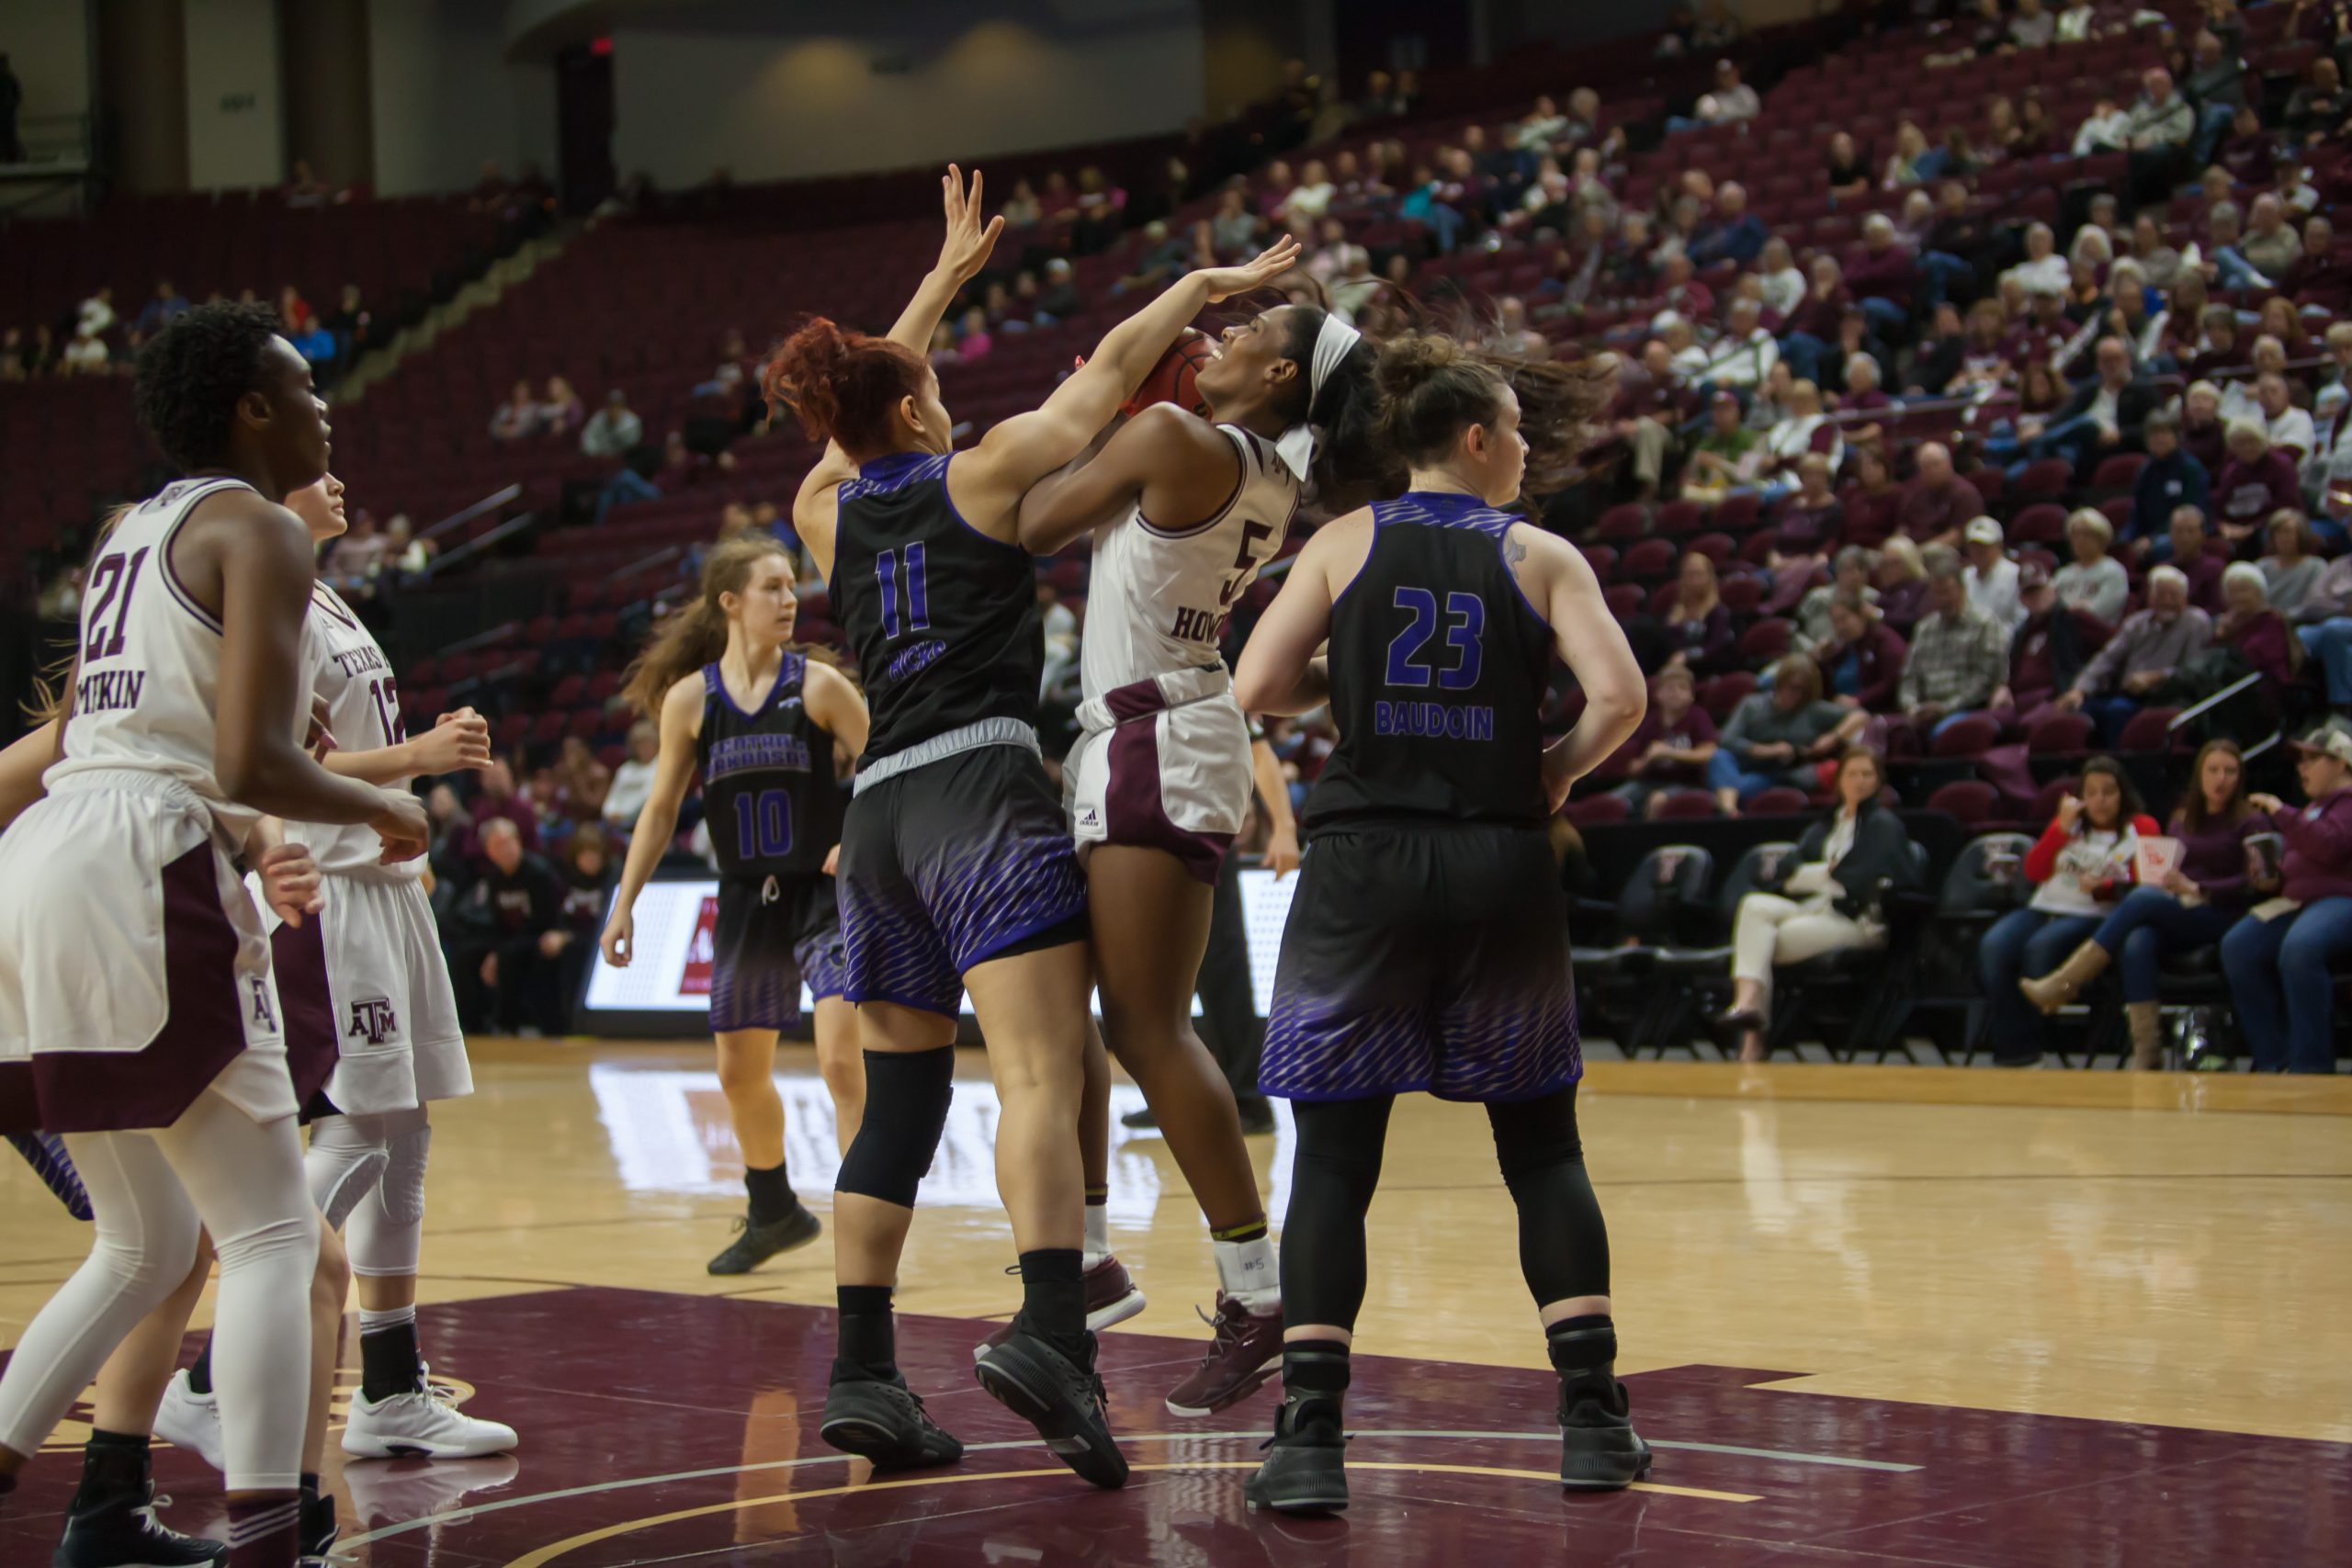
{"x": 1225, "y": 282}
{"x": 968, "y": 244}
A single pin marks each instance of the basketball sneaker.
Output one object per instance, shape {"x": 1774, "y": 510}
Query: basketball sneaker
{"x": 315, "y": 1532}
{"x": 419, "y": 1489}
{"x": 186, "y": 1419}
{"x": 1060, "y": 1396}
{"x": 423, "y": 1422}
{"x": 1599, "y": 1450}
{"x": 1245, "y": 1351}
{"x": 1305, "y": 1471}
{"x": 757, "y": 1244}
{"x": 121, "y": 1531}
{"x": 884, "y": 1421}
{"x": 1112, "y": 1296}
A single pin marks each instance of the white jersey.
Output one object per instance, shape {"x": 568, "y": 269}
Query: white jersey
{"x": 348, "y": 670}
{"x": 1158, "y": 600}
{"x": 147, "y": 682}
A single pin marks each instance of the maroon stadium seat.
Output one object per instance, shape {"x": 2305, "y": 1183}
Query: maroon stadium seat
{"x": 1685, "y": 804}
{"x": 1968, "y": 737}
{"x": 1972, "y": 800}
{"x": 1779, "y": 801}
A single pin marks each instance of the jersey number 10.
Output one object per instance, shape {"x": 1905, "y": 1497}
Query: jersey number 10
{"x": 1465, "y": 627}
{"x": 906, "y": 598}
{"x": 763, "y": 823}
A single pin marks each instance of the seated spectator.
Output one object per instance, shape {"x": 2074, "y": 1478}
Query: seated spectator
{"x": 2257, "y": 480}
{"x": 1512, "y": 337}
{"x": 2288, "y": 428}
{"x": 2093, "y": 582}
{"x": 2322, "y": 273}
{"x": 1804, "y": 429}
{"x": 1901, "y": 582}
{"x": 1811, "y": 523}
{"x": 518, "y": 416}
{"x": 2280, "y": 957}
{"x": 2188, "y": 546}
{"x": 87, "y": 356}
{"x": 632, "y": 782}
{"x": 1746, "y": 354}
{"x": 2081, "y": 867}
{"x": 2160, "y": 126}
{"x": 1732, "y": 100}
{"x": 2146, "y": 652}
{"x": 2047, "y": 651}
{"x": 1061, "y": 301}
{"x": 1233, "y": 227}
{"x": 2216, "y": 91}
{"x": 582, "y": 782}
{"x": 1671, "y": 747}
{"x": 505, "y": 937}
{"x": 2043, "y": 271}
{"x": 1991, "y": 575}
{"x": 1697, "y": 621}
{"x": 1862, "y": 665}
{"x": 2254, "y": 631}
{"x": 2195, "y": 906}
{"x": 2270, "y": 244}
{"x": 1840, "y": 873}
{"x": 2106, "y": 129}
{"x": 1725, "y": 454}
{"x": 1883, "y": 276}
{"x": 352, "y": 564}
{"x": 1853, "y": 567}
{"x": 1938, "y": 503}
{"x": 1777, "y": 736}
{"x": 2204, "y": 434}
{"x": 614, "y": 429}
{"x": 1849, "y": 175}
{"x": 96, "y": 315}
{"x": 1736, "y": 235}
{"x": 2033, "y": 28}
{"x": 1957, "y": 658}
{"x": 167, "y": 305}
{"x": 2103, "y": 416}
{"x": 2170, "y": 479}
{"x": 305, "y": 188}
{"x": 976, "y": 342}
{"x": 2318, "y": 105}
{"x": 2291, "y": 570}
{"x": 1909, "y": 164}
{"x": 1815, "y": 324}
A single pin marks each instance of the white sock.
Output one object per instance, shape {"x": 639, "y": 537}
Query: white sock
{"x": 1097, "y": 1235}
{"x": 1246, "y": 1271}
{"x": 391, "y": 1318}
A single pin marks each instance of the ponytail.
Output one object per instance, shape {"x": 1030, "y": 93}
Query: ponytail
{"x": 843, "y": 385}
{"x": 696, "y": 634}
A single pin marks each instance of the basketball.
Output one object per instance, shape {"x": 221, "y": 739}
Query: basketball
{"x": 1171, "y": 381}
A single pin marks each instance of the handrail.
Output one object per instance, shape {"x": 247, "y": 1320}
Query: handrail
{"x": 490, "y": 503}
{"x": 2225, "y": 694}
{"x": 471, "y": 546}
{"x": 490, "y": 638}
{"x": 666, "y": 553}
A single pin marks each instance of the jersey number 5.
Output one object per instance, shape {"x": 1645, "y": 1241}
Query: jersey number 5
{"x": 764, "y": 823}
{"x": 906, "y": 598}
{"x": 1466, "y": 627}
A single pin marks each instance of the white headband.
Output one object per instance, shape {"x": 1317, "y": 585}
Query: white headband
{"x": 1332, "y": 345}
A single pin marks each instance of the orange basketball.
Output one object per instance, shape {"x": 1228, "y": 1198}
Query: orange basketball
{"x": 1171, "y": 381}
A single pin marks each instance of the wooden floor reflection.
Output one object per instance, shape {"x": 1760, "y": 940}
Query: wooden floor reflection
{"x": 2174, "y": 1249}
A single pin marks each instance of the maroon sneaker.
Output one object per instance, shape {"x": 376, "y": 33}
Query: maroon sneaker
{"x": 1247, "y": 1351}
{"x": 1111, "y": 1297}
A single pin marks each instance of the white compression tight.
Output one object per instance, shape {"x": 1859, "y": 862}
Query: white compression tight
{"x": 218, "y": 1169}
{"x": 372, "y": 1168}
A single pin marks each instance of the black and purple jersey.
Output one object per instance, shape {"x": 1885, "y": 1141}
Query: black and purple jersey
{"x": 769, "y": 790}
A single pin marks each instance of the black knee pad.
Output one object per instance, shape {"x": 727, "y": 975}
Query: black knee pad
{"x": 907, "y": 1096}
{"x": 1535, "y": 1135}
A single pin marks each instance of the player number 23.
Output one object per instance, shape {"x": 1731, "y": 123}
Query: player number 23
{"x": 1465, "y": 625}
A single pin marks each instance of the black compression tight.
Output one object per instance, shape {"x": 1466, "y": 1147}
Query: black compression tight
{"x": 1563, "y": 1243}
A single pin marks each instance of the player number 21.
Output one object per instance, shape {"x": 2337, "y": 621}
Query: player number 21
{"x": 1465, "y": 625}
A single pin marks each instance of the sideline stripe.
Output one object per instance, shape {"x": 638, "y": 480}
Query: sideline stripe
{"x": 594, "y": 1488}
{"x": 549, "y": 1553}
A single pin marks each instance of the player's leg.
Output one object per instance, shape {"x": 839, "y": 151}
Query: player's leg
{"x": 841, "y": 1062}
{"x": 777, "y": 1221}
{"x": 1564, "y": 1253}
{"x": 399, "y": 1412}
{"x": 1150, "y": 919}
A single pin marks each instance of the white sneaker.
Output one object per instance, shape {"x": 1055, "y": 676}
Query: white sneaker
{"x": 425, "y": 1423}
{"x": 190, "y": 1420}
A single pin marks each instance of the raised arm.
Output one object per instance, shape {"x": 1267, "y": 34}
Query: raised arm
{"x": 990, "y": 480}
{"x": 1594, "y": 647}
{"x": 1175, "y": 462}
{"x": 963, "y": 251}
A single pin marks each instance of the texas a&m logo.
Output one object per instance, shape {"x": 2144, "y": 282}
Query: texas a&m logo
{"x": 265, "y": 1015}
{"x": 372, "y": 1020}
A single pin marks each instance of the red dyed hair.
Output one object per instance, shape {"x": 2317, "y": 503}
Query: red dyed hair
{"x": 843, "y": 383}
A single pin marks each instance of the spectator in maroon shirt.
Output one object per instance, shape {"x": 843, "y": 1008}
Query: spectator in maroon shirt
{"x": 2221, "y": 349}
{"x": 2322, "y": 274}
{"x": 1813, "y": 325}
{"x": 1850, "y": 176}
{"x": 2186, "y": 548}
{"x": 1938, "y": 503}
{"x": 2248, "y": 624}
{"x": 1902, "y": 583}
{"x": 1861, "y": 666}
{"x": 2204, "y": 434}
{"x": 1698, "y": 622}
{"x": 497, "y": 801}
{"x": 2257, "y": 480}
{"x": 1671, "y": 749}
{"x": 2047, "y": 651}
{"x": 1683, "y": 294}
{"x": 1882, "y": 275}
{"x": 1875, "y": 502}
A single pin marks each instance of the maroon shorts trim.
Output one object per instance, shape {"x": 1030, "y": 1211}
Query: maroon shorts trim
{"x": 204, "y": 1029}
{"x": 306, "y": 1005}
{"x": 1134, "y": 813}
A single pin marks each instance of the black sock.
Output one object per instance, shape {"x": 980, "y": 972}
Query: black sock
{"x": 199, "y": 1376}
{"x": 114, "y": 1465}
{"x": 1053, "y": 1296}
{"x": 389, "y": 1361}
{"x": 1582, "y": 1344}
{"x": 317, "y": 1526}
{"x": 771, "y": 1193}
{"x": 869, "y": 1335}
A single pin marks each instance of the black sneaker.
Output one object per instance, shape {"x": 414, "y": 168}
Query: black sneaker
{"x": 315, "y": 1529}
{"x": 1599, "y": 1450}
{"x": 1257, "y": 1116}
{"x": 885, "y": 1422}
{"x": 1059, "y": 1396}
{"x": 757, "y": 1244}
{"x": 1141, "y": 1120}
{"x": 122, "y": 1530}
{"x": 1305, "y": 1470}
